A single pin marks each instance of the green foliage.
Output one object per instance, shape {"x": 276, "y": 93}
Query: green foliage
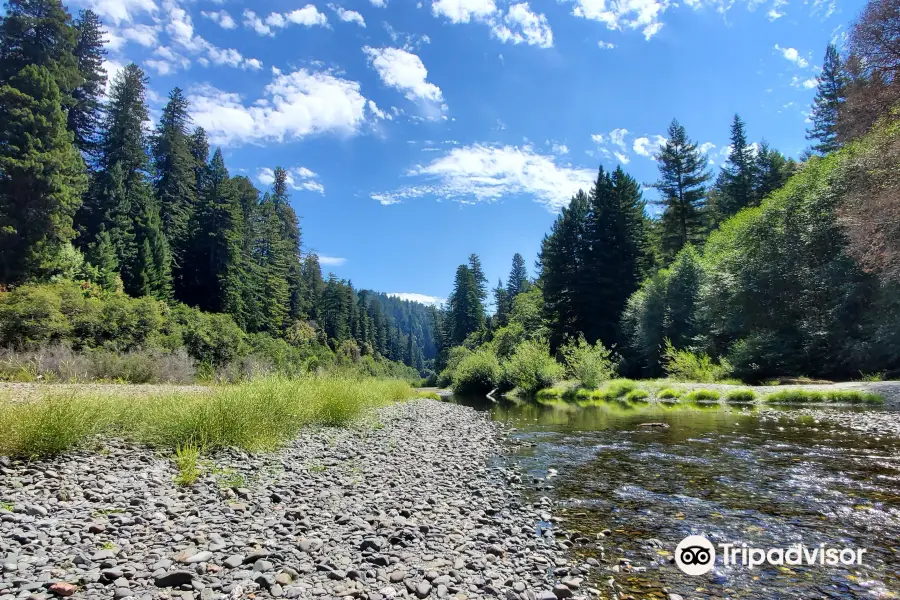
{"x": 187, "y": 458}
{"x": 42, "y": 176}
{"x": 213, "y": 339}
{"x": 478, "y": 372}
{"x": 589, "y": 364}
{"x": 638, "y": 395}
{"x": 793, "y": 396}
{"x": 259, "y": 415}
{"x": 684, "y": 365}
{"x": 530, "y": 368}
{"x": 466, "y": 311}
{"x": 669, "y": 393}
{"x": 701, "y": 395}
{"x": 740, "y": 396}
{"x": 830, "y": 93}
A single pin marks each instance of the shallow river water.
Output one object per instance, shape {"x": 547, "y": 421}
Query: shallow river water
{"x": 731, "y": 474}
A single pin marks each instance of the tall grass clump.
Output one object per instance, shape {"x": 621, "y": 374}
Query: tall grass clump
{"x": 477, "y": 373}
{"x": 701, "y": 395}
{"x": 684, "y": 365}
{"x": 669, "y": 394}
{"x": 817, "y": 396}
{"x": 740, "y": 396}
{"x": 531, "y": 368}
{"x": 589, "y": 364}
{"x": 255, "y": 416}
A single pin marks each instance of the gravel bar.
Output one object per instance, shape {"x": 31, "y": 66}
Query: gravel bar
{"x": 410, "y": 504}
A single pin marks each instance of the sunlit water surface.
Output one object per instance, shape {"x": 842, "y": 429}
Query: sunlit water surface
{"x": 723, "y": 472}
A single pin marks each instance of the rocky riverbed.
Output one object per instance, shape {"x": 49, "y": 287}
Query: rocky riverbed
{"x": 410, "y": 504}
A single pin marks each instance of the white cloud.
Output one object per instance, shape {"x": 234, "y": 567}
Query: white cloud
{"x": 180, "y": 28}
{"x": 378, "y": 3}
{"x": 221, "y": 18}
{"x": 624, "y": 14}
{"x": 331, "y": 261}
{"x": 403, "y": 71}
{"x": 297, "y": 178}
{"x": 598, "y": 138}
{"x": 706, "y": 147}
{"x": 808, "y": 83}
{"x": 647, "y": 146}
{"x": 308, "y": 16}
{"x": 485, "y": 173}
{"x": 294, "y": 106}
{"x": 145, "y": 35}
{"x": 420, "y": 298}
{"x": 112, "y": 68}
{"x": 559, "y": 148}
{"x": 605, "y": 45}
{"x": 617, "y": 137}
{"x": 348, "y": 16}
{"x": 463, "y": 11}
{"x": 792, "y": 55}
{"x": 252, "y": 64}
{"x": 774, "y": 15}
{"x": 622, "y": 158}
{"x": 118, "y": 11}
{"x": 520, "y": 25}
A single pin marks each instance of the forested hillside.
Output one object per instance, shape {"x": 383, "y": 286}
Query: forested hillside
{"x": 89, "y": 194}
{"x": 771, "y": 266}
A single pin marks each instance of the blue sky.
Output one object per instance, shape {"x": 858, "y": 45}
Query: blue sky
{"x": 417, "y": 133}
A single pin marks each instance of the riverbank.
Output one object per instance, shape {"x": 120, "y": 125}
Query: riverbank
{"x": 407, "y": 504}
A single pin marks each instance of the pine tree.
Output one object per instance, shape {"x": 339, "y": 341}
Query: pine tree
{"x": 479, "y": 276}
{"x": 466, "y": 310}
{"x": 39, "y": 33}
{"x": 121, "y": 201}
{"x": 739, "y": 172}
{"x": 518, "y": 278}
{"x": 830, "y": 95}
{"x": 772, "y": 171}
{"x": 200, "y": 151}
{"x": 290, "y": 233}
{"x": 85, "y": 113}
{"x": 101, "y": 255}
{"x": 42, "y": 177}
{"x": 175, "y": 183}
{"x": 682, "y": 184}
{"x": 501, "y": 304}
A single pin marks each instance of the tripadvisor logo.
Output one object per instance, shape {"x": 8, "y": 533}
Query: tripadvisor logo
{"x": 696, "y": 555}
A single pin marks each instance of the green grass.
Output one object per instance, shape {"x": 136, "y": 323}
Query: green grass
{"x": 637, "y": 395}
{"x": 872, "y": 377}
{"x": 820, "y": 396}
{"x": 669, "y": 394}
{"x": 428, "y": 395}
{"x": 255, "y": 416}
{"x": 186, "y": 459}
{"x": 740, "y": 396}
{"x": 701, "y": 395}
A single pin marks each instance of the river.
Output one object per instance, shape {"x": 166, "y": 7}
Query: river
{"x": 733, "y": 474}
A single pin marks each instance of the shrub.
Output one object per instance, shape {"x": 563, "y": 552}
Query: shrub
{"x": 531, "y": 367}
{"x": 589, "y": 365}
{"x": 669, "y": 393}
{"x": 740, "y": 396}
{"x": 32, "y": 315}
{"x": 701, "y": 395}
{"x": 214, "y": 339}
{"x": 617, "y": 388}
{"x": 842, "y": 396}
{"x": 637, "y": 395}
{"x": 685, "y": 365}
{"x": 506, "y": 340}
{"x": 478, "y": 372}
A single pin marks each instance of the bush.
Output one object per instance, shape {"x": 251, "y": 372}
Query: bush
{"x": 506, "y": 340}
{"x": 32, "y": 315}
{"x": 669, "y": 393}
{"x": 531, "y": 368}
{"x": 454, "y": 356}
{"x": 701, "y": 395}
{"x": 841, "y": 396}
{"x": 589, "y": 365}
{"x": 213, "y": 339}
{"x": 740, "y": 396}
{"x": 684, "y": 365}
{"x": 477, "y": 373}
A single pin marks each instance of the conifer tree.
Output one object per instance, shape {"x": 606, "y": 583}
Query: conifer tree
{"x": 739, "y": 172}
{"x": 479, "y": 276}
{"x": 291, "y": 242}
{"x": 39, "y": 33}
{"x": 518, "y": 277}
{"x": 175, "y": 183}
{"x": 85, "y": 113}
{"x": 200, "y": 151}
{"x": 502, "y": 305}
{"x": 682, "y": 185}
{"x": 772, "y": 170}
{"x": 42, "y": 177}
{"x": 830, "y": 94}
{"x": 466, "y": 310}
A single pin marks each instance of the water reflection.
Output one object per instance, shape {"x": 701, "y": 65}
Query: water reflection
{"x": 723, "y": 472}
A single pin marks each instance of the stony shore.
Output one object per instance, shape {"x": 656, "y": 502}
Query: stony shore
{"x": 409, "y": 504}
